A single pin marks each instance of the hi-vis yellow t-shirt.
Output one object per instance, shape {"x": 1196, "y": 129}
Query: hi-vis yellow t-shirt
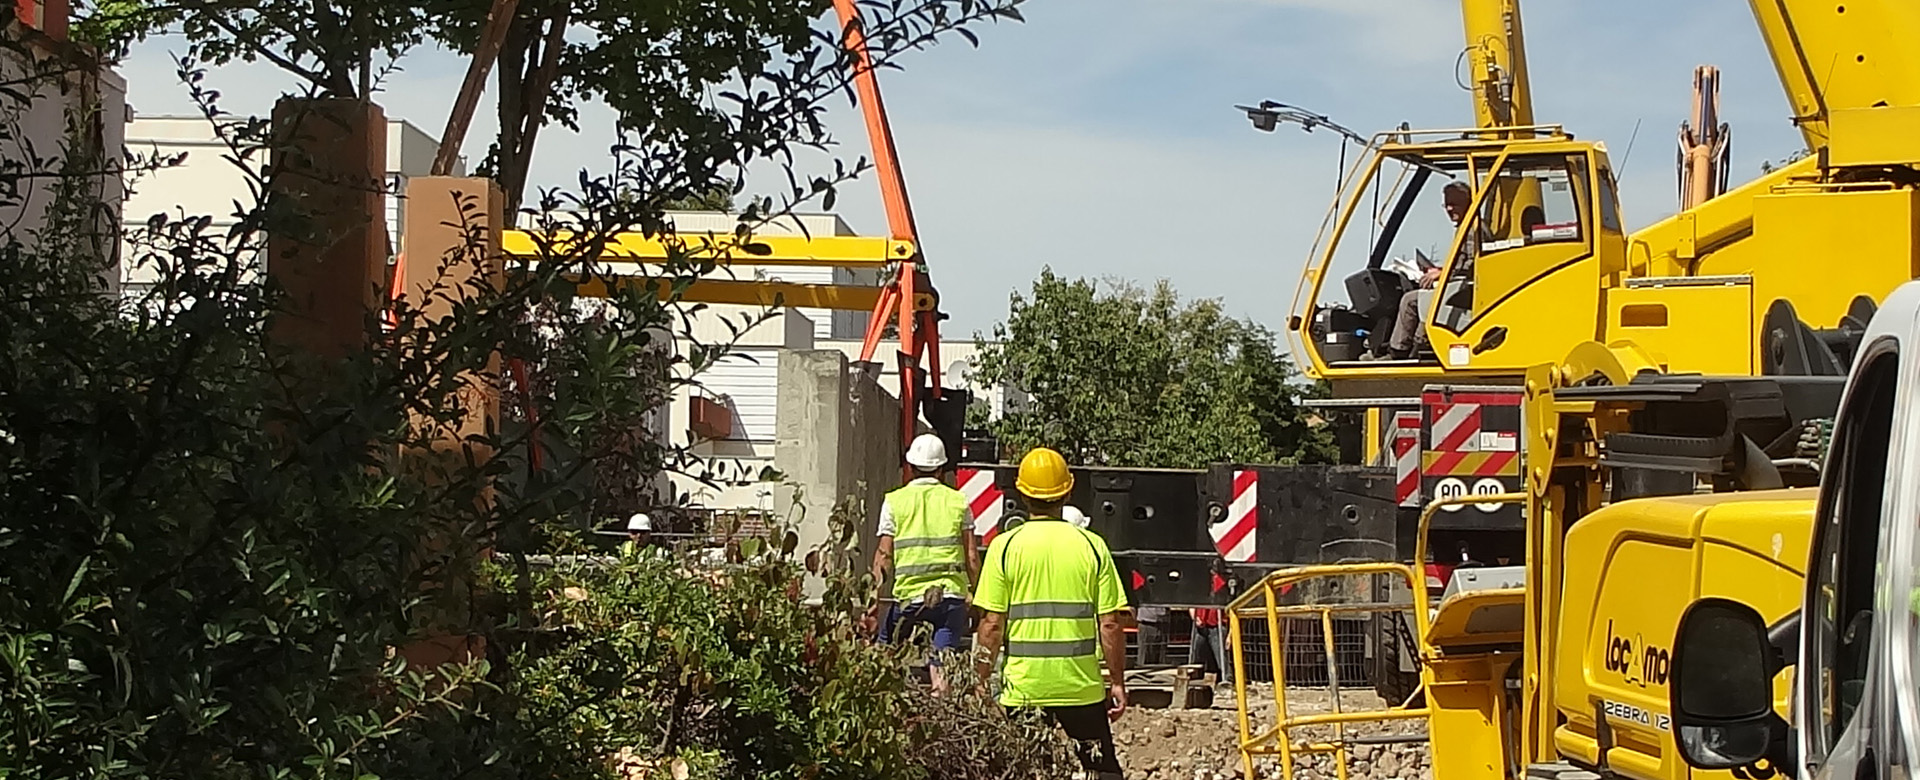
{"x": 1053, "y": 581}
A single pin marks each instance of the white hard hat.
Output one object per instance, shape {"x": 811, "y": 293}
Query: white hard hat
{"x": 927, "y": 452}
{"x": 1072, "y": 514}
{"x": 640, "y": 522}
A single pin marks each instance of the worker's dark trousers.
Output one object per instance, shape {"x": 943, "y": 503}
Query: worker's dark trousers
{"x": 1092, "y": 736}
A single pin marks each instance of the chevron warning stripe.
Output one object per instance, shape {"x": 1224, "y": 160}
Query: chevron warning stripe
{"x": 1406, "y": 458}
{"x": 1461, "y": 443}
{"x": 1454, "y": 427}
{"x": 984, "y": 498}
{"x": 1234, "y": 535}
{"x": 1471, "y": 464}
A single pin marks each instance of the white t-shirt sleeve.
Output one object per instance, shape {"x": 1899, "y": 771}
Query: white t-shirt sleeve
{"x": 886, "y": 520}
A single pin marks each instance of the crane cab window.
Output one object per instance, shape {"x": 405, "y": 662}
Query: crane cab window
{"x": 1530, "y": 202}
{"x": 1528, "y": 220}
{"x": 1391, "y": 245}
{"x": 1847, "y": 555}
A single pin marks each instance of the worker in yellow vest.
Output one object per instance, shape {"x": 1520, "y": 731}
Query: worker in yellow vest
{"x": 926, "y": 539}
{"x": 1051, "y": 594}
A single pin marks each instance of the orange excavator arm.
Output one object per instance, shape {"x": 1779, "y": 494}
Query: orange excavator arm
{"x": 908, "y": 300}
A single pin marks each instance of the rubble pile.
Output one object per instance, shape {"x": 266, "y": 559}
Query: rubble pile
{"x": 1203, "y": 744}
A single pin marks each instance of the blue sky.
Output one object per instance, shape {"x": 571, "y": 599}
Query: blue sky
{"x": 1099, "y": 137}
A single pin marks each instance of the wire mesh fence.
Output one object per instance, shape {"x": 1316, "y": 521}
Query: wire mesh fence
{"x": 1303, "y": 650}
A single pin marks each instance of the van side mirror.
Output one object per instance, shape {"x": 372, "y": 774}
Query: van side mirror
{"x": 1721, "y": 690}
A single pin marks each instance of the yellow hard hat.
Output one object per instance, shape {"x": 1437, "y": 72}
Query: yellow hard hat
{"x": 1044, "y": 475}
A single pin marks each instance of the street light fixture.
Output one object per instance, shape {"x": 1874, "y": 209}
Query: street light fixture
{"x": 1269, "y": 114}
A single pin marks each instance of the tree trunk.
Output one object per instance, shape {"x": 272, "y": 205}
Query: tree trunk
{"x": 540, "y": 68}
{"x": 512, "y": 74}
{"x": 492, "y": 37}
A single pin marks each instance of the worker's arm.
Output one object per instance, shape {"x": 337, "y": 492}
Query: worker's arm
{"x": 972, "y": 546}
{"x": 1111, "y": 603}
{"x": 991, "y": 598}
{"x": 882, "y": 551}
{"x": 1113, "y": 640}
{"x": 986, "y": 642}
{"x": 882, "y": 564}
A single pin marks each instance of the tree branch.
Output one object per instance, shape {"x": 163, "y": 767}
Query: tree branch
{"x": 267, "y": 54}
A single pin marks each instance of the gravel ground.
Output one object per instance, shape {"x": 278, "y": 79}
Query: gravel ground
{"x": 1203, "y": 744}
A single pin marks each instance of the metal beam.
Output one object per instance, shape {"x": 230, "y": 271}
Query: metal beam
{"x": 805, "y": 296}
{"x": 835, "y": 251}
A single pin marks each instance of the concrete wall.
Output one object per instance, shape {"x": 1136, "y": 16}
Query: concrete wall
{"x": 839, "y": 446}
{"x": 747, "y": 381}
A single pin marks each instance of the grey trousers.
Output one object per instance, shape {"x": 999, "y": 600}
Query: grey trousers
{"x": 1407, "y": 333}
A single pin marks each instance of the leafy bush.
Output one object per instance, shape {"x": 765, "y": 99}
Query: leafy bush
{"x": 674, "y": 668}
{"x": 216, "y": 552}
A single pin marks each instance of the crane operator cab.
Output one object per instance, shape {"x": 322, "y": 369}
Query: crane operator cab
{"x": 1474, "y": 255}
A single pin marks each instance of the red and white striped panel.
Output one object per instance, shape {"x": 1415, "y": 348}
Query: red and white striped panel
{"x": 1406, "y": 457}
{"x": 985, "y": 499}
{"x": 1455, "y": 426}
{"x": 1233, "y": 536}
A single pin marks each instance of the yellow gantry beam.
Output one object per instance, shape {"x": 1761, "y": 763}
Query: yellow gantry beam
{"x": 804, "y": 296}
{"x": 835, "y": 251}
{"x": 727, "y": 250}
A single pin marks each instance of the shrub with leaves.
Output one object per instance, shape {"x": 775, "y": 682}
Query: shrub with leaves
{"x": 677, "y": 670}
{"x": 216, "y": 549}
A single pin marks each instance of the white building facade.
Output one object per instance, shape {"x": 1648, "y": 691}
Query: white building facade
{"x": 206, "y": 184}
{"x": 728, "y": 419}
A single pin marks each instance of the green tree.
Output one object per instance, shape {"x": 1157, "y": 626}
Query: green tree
{"x": 1127, "y": 376}
{"x": 699, "y": 77}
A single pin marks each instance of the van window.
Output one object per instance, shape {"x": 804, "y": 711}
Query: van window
{"x": 1839, "y": 615}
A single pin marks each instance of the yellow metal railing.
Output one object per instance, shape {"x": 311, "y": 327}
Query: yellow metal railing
{"x": 1263, "y": 601}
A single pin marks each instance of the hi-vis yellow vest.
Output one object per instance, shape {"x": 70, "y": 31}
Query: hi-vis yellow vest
{"x": 928, "y": 520}
{"x": 1053, "y": 581}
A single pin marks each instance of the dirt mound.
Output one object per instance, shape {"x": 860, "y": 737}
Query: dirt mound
{"x": 1204, "y": 744}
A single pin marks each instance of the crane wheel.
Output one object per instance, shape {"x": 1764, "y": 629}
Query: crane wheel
{"x": 1390, "y": 682}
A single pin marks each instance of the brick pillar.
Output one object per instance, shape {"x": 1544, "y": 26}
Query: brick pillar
{"x": 327, "y": 249}
{"x": 452, "y": 231}
{"x": 49, "y": 16}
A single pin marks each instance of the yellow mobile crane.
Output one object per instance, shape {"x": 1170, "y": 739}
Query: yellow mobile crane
{"x": 1559, "y": 668}
{"x": 1542, "y": 263}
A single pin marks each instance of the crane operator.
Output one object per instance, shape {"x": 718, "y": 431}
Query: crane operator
{"x": 1408, "y": 335}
